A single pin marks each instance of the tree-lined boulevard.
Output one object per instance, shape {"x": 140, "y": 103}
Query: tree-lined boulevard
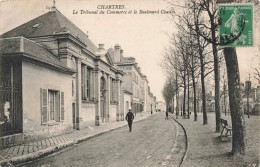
{"x": 199, "y": 49}
{"x": 208, "y": 114}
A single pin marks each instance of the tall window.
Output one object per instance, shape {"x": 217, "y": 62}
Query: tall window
{"x": 52, "y": 104}
{"x": 88, "y": 82}
{"x": 113, "y": 90}
{"x": 83, "y": 82}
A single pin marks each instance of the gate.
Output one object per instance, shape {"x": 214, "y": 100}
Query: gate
{"x": 10, "y": 97}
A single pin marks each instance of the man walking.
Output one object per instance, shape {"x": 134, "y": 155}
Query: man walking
{"x": 166, "y": 118}
{"x": 130, "y": 117}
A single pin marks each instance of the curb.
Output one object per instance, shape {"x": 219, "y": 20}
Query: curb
{"x": 186, "y": 142}
{"x": 37, "y": 154}
{"x": 52, "y": 149}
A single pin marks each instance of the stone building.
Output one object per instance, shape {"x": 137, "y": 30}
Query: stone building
{"x": 151, "y": 102}
{"x": 253, "y": 100}
{"x": 35, "y": 91}
{"x": 161, "y": 106}
{"x": 146, "y": 90}
{"x": 58, "y": 79}
{"x": 135, "y": 82}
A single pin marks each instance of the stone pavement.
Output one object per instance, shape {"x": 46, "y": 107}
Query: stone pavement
{"x": 31, "y": 150}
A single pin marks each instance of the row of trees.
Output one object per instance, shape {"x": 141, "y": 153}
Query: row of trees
{"x": 193, "y": 55}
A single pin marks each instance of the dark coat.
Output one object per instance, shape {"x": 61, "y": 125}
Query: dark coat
{"x": 129, "y": 116}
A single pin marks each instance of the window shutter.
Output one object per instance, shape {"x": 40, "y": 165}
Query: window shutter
{"x": 57, "y": 107}
{"x": 44, "y": 108}
{"x": 62, "y": 106}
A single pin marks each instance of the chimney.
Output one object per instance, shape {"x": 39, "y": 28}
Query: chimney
{"x": 101, "y": 47}
{"x": 139, "y": 69}
{"x": 117, "y": 53}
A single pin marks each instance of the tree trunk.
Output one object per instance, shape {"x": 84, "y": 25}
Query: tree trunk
{"x": 225, "y": 98}
{"x": 205, "y": 118}
{"x": 216, "y": 77}
{"x": 194, "y": 96}
{"x": 188, "y": 96}
{"x": 203, "y": 92}
{"x": 177, "y": 104}
{"x": 177, "y": 97}
{"x": 173, "y": 104}
{"x": 198, "y": 106}
{"x": 235, "y": 101}
{"x": 184, "y": 95}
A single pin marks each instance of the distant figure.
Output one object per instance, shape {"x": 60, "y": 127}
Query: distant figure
{"x": 166, "y": 118}
{"x": 129, "y": 118}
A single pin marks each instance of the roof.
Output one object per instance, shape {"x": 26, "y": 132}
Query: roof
{"x": 49, "y": 24}
{"x": 111, "y": 53}
{"x": 122, "y": 58}
{"x": 31, "y": 50}
{"x": 125, "y": 60}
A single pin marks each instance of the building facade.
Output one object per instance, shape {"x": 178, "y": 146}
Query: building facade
{"x": 56, "y": 79}
{"x": 134, "y": 81}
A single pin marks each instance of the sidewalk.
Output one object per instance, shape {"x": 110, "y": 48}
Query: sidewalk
{"x": 205, "y": 148}
{"x": 35, "y": 149}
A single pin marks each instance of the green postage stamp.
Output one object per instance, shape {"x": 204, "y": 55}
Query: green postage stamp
{"x": 236, "y": 25}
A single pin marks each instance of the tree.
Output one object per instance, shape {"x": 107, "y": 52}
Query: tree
{"x": 257, "y": 75}
{"x": 235, "y": 99}
{"x": 187, "y": 21}
{"x": 168, "y": 92}
{"x": 208, "y": 32}
{"x": 238, "y": 143}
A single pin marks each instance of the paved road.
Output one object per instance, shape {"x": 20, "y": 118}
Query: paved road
{"x": 150, "y": 143}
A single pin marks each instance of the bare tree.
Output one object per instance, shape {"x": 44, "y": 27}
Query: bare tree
{"x": 257, "y": 75}
{"x": 168, "y": 92}
{"x": 238, "y": 122}
{"x": 208, "y": 32}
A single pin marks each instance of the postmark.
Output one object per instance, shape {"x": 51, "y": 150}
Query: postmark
{"x": 236, "y": 25}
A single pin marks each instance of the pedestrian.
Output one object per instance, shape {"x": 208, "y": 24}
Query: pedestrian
{"x": 166, "y": 118}
{"x": 129, "y": 118}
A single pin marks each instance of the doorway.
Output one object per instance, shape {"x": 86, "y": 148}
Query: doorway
{"x": 102, "y": 99}
{"x": 10, "y": 97}
{"x": 126, "y": 106}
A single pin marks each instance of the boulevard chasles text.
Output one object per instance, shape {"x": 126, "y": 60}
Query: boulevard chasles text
{"x": 120, "y": 9}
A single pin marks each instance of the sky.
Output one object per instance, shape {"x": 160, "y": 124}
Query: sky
{"x": 143, "y": 36}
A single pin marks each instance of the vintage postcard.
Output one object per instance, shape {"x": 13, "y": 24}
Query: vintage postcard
{"x": 141, "y": 83}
